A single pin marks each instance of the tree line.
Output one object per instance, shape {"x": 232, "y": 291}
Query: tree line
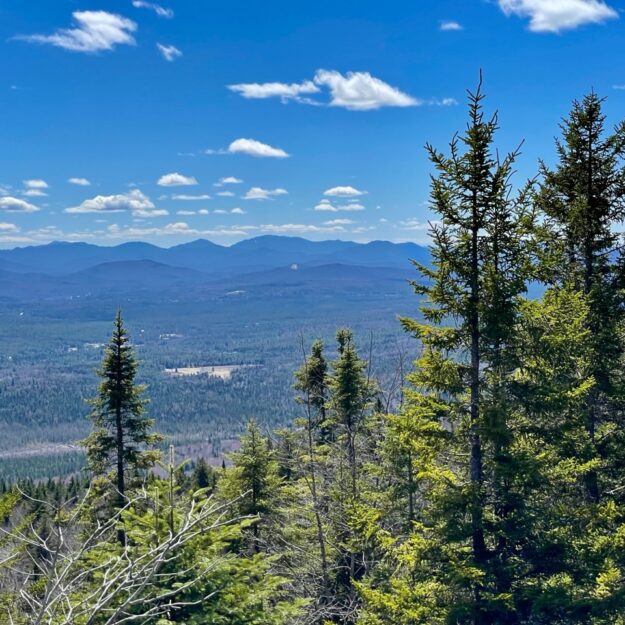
{"x": 492, "y": 492}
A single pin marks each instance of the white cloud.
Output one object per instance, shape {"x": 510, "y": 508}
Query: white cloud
{"x": 346, "y": 191}
{"x": 155, "y": 212}
{"x": 414, "y": 224}
{"x": 557, "y": 15}
{"x": 338, "y": 222}
{"x": 159, "y": 10}
{"x": 81, "y": 182}
{"x": 328, "y": 207}
{"x": 36, "y": 183}
{"x": 255, "y": 148}
{"x": 356, "y": 91}
{"x": 284, "y": 91}
{"x": 258, "y": 193}
{"x": 298, "y": 228}
{"x": 135, "y": 201}
{"x": 450, "y": 26}
{"x": 170, "y": 53}
{"x": 443, "y": 102}
{"x": 325, "y": 206}
{"x": 228, "y": 180}
{"x": 220, "y": 211}
{"x": 360, "y": 91}
{"x": 185, "y": 212}
{"x": 95, "y": 31}
{"x": 16, "y": 205}
{"x": 176, "y": 180}
{"x": 203, "y": 211}
{"x": 352, "y": 206}
{"x": 114, "y": 231}
{"x": 34, "y": 193}
{"x": 190, "y": 198}
{"x": 237, "y": 211}
{"x": 225, "y": 194}
{"x": 6, "y": 227}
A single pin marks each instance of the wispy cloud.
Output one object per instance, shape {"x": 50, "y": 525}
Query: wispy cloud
{"x": 35, "y": 183}
{"x": 328, "y": 207}
{"x": 170, "y": 53}
{"x": 95, "y": 31}
{"x": 258, "y": 193}
{"x": 81, "y": 182}
{"x": 339, "y": 222}
{"x": 176, "y": 180}
{"x": 16, "y": 205}
{"x": 285, "y": 92}
{"x": 554, "y": 16}
{"x": 190, "y": 198}
{"x": 450, "y": 26}
{"x": 157, "y": 8}
{"x": 416, "y": 224}
{"x": 227, "y": 180}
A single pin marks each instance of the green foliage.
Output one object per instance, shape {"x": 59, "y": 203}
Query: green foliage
{"x": 119, "y": 446}
{"x": 491, "y": 493}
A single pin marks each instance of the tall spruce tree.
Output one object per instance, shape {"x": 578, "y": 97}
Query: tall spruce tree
{"x": 583, "y": 198}
{"x": 312, "y": 383}
{"x": 462, "y": 408}
{"x": 120, "y": 447}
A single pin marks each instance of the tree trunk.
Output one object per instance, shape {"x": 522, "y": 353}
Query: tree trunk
{"x": 476, "y": 467}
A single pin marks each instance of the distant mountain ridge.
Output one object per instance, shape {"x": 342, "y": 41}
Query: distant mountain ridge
{"x": 264, "y": 252}
{"x": 65, "y": 270}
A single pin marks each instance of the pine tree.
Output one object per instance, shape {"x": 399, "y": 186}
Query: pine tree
{"x": 120, "y": 447}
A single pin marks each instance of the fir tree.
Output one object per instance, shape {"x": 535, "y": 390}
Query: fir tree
{"x": 120, "y": 447}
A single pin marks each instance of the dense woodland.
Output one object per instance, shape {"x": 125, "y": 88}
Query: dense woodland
{"x": 51, "y": 349}
{"x": 490, "y": 491}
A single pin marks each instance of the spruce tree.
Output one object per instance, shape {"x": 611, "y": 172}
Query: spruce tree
{"x": 312, "y": 382}
{"x": 583, "y": 198}
{"x": 464, "y": 460}
{"x": 253, "y": 482}
{"x": 120, "y": 447}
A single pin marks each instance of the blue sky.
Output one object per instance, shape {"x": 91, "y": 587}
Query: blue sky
{"x": 167, "y": 122}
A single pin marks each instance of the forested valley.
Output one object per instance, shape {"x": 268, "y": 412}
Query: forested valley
{"x": 484, "y": 485}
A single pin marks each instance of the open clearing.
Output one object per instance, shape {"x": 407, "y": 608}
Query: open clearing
{"x": 223, "y": 372}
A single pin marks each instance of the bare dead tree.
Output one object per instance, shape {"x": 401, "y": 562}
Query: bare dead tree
{"x": 135, "y": 584}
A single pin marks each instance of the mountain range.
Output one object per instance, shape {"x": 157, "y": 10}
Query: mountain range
{"x": 61, "y": 269}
